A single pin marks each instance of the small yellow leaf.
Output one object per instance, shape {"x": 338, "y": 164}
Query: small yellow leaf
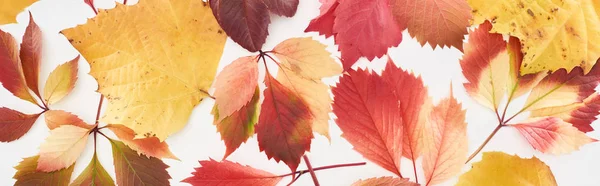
{"x": 61, "y": 81}
{"x": 10, "y": 8}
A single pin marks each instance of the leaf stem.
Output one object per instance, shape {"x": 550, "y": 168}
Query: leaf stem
{"x": 99, "y": 110}
{"x": 500, "y": 125}
{"x": 207, "y": 94}
{"x": 300, "y": 172}
{"x": 310, "y": 169}
{"x": 414, "y": 170}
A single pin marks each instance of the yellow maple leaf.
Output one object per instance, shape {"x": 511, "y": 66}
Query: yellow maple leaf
{"x": 9, "y": 9}
{"x": 154, "y": 61}
{"x": 554, "y": 33}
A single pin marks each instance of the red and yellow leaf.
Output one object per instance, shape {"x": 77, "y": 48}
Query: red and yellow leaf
{"x": 519, "y": 84}
{"x": 445, "y": 143}
{"x": 235, "y": 85}
{"x": 384, "y": 181}
{"x": 370, "y": 117}
{"x": 552, "y": 135}
{"x": 27, "y": 174}
{"x": 580, "y": 115}
{"x": 14, "y": 124}
{"x": 31, "y": 52}
{"x": 132, "y": 169}
{"x": 284, "y": 126}
{"x": 62, "y": 148}
{"x": 57, "y": 118}
{"x": 227, "y": 173}
{"x": 94, "y": 174}
{"x": 61, "y": 81}
{"x": 12, "y": 77}
{"x": 149, "y": 146}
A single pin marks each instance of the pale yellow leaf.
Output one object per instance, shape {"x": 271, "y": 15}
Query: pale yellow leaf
{"x": 62, "y": 148}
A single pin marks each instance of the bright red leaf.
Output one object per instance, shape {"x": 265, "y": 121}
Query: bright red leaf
{"x": 324, "y": 22}
{"x": 227, "y": 173}
{"x": 14, "y": 124}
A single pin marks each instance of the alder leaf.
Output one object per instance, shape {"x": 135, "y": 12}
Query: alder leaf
{"x": 57, "y": 118}
{"x": 370, "y": 117}
{"x": 552, "y": 135}
{"x": 503, "y": 169}
{"x": 61, "y": 81}
{"x": 153, "y": 69}
{"x": 227, "y": 173}
{"x": 239, "y": 126}
{"x": 12, "y": 77}
{"x": 134, "y": 169}
{"x": 14, "y": 124}
{"x": 384, "y": 181}
{"x": 151, "y": 146}
{"x": 445, "y": 143}
{"x": 31, "y": 53}
{"x": 438, "y": 22}
{"x": 284, "y": 129}
{"x": 94, "y": 174}
{"x": 11, "y": 8}
{"x": 554, "y": 35}
{"x": 62, "y": 148}
{"x": 28, "y": 175}
{"x": 580, "y": 115}
{"x": 235, "y": 86}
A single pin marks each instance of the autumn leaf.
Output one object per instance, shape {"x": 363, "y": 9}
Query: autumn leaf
{"x": 94, "y": 174}
{"x": 153, "y": 69}
{"x": 235, "y": 86}
{"x": 12, "y": 77}
{"x": 61, "y": 81}
{"x": 134, "y": 169}
{"x": 62, "y": 148}
{"x": 27, "y": 174}
{"x": 445, "y": 143}
{"x": 384, "y": 181}
{"x": 497, "y": 168}
{"x": 324, "y": 22}
{"x": 554, "y": 35}
{"x": 31, "y": 52}
{"x": 519, "y": 84}
{"x": 580, "y": 115}
{"x": 151, "y": 146}
{"x": 14, "y": 124}
{"x": 239, "y": 126}
{"x": 10, "y": 9}
{"x": 284, "y": 129}
{"x": 57, "y": 118}
{"x": 552, "y": 135}
{"x": 91, "y": 4}
{"x": 370, "y": 117}
{"x": 227, "y": 173}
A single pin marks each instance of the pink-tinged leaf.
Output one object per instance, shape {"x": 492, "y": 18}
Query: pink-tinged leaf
{"x": 31, "y": 52}
{"x": 12, "y": 77}
{"x": 283, "y": 7}
{"x": 27, "y": 175}
{"x": 437, "y": 22}
{"x": 150, "y": 146}
{"x": 235, "y": 86}
{"x": 14, "y": 124}
{"x": 364, "y": 28}
{"x": 369, "y": 115}
{"x": 552, "y": 135}
{"x": 284, "y": 128}
{"x": 62, "y": 148}
{"x": 415, "y": 105}
{"x": 445, "y": 141}
{"x": 132, "y": 169}
{"x": 385, "y": 181}
{"x": 227, "y": 173}
{"x": 61, "y": 81}
{"x": 239, "y": 126}
{"x": 57, "y": 118}
{"x": 580, "y": 115}
{"x": 324, "y": 22}
{"x": 245, "y": 21}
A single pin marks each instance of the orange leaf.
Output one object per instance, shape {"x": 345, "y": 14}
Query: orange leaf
{"x": 14, "y": 124}
{"x": 227, "y": 173}
{"x": 61, "y": 81}
{"x": 62, "y": 148}
{"x": 235, "y": 85}
{"x": 57, "y": 118}
{"x": 27, "y": 175}
{"x": 149, "y": 146}
{"x": 12, "y": 75}
{"x": 552, "y": 135}
{"x": 384, "y": 181}
{"x": 31, "y": 52}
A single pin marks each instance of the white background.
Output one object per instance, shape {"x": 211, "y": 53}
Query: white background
{"x": 200, "y": 141}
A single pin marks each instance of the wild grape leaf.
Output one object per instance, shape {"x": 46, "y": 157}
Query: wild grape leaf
{"x": 437, "y": 22}
{"x": 14, "y": 124}
{"x": 519, "y": 84}
{"x": 445, "y": 143}
{"x": 555, "y": 35}
{"x": 227, "y": 173}
{"x": 12, "y": 77}
{"x": 284, "y": 128}
{"x": 31, "y": 53}
{"x": 28, "y": 175}
{"x": 134, "y": 169}
{"x": 370, "y": 117}
{"x": 153, "y": 68}
{"x": 239, "y": 126}
{"x": 283, "y": 7}
{"x": 552, "y": 135}
{"x": 235, "y": 86}
{"x": 94, "y": 174}
{"x": 10, "y": 8}
{"x": 61, "y": 81}
{"x": 57, "y": 118}
{"x": 324, "y": 22}
{"x": 580, "y": 115}
{"x": 384, "y": 181}
{"x": 62, "y": 148}
{"x": 150, "y": 146}
{"x": 503, "y": 169}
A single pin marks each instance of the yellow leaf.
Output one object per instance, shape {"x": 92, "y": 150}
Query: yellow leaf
{"x": 10, "y": 8}
{"x": 555, "y": 33}
{"x": 61, "y": 81}
{"x": 154, "y": 61}
{"x": 500, "y": 169}
{"x": 62, "y": 148}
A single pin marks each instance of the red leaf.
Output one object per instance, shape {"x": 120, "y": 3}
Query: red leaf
{"x": 283, "y": 7}
{"x": 91, "y": 4}
{"x": 284, "y": 127}
{"x": 324, "y": 22}
{"x": 14, "y": 124}
{"x": 552, "y": 135}
{"x": 245, "y": 21}
{"x": 57, "y": 118}
{"x": 12, "y": 77}
{"x": 227, "y": 173}
{"x": 149, "y": 146}
{"x": 369, "y": 116}
{"x": 31, "y": 51}
{"x": 235, "y": 86}
{"x": 239, "y": 126}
